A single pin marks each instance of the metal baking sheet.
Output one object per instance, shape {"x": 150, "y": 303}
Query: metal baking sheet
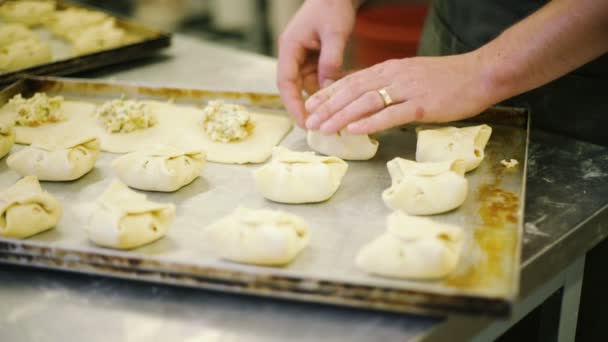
{"x": 64, "y": 62}
{"x": 485, "y": 282}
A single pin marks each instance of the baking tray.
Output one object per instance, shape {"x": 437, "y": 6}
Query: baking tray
{"x": 64, "y": 62}
{"x": 485, "y": 282}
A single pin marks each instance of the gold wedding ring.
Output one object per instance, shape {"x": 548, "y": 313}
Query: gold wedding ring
{"x": 386, "y": 98}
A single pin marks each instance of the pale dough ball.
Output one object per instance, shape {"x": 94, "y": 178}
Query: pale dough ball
{"x": 99, "y": 37}
{"x": 299, "y": 177}
{"x": 62, "y": 159}
{"x": 261, "y": 237}
{"x": 27, "y": 12}
{"x": 7, "y": 137}
{"x": 412, "y": 247}
{"x": 66, "y": 23}
{"x": 24, "y": 54}
{"x": 450, "y": 143}
{"x": 159, "y": 168}
{"x": 343, "y": 145}
{"x": 125, "y": 219}
{"x": 26, "y": 210}
{"x": 425, "y": 188}
{"x": 10, "y": 33}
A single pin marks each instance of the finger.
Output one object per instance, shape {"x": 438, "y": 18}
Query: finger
{"x": 288, "y": 80}
{"x": 370, "y": 102}
{"x": 332, "y": 56}
{"x": 390, "y": 116}
{"x": 310, "y": 81}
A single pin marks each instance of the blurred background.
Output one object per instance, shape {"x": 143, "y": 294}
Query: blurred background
{"x": 385, "y": 29}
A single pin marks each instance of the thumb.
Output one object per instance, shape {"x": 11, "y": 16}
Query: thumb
{"x": 331, "y": 57}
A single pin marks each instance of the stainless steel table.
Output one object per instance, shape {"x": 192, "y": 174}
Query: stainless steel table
{"x": 566, "y": 215}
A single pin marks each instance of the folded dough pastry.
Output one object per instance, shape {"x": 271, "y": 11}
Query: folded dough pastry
{"x": 412, "y": 247}
{"x": 26, "y": 210}
{"x": 125, "y": 219}
{"x": 263, "y": 237}
{"x": 159, "y": 168}
{"x": 425, "y": 188}
{"x": 23, "y": 54}
{"x": 62, "y": 159}
{"x": 103, "y": 36}
{"x": 27, "y": 12}
{"x": 7, "y": 136}
{"x": 10, "y": 33}
{"x": 343, "y": 145}
{"x": 299, "y": 177}
{"x": 66, "y": 22}
{"x": 449, "y": 143}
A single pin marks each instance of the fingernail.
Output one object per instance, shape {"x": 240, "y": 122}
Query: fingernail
{"x": 353, "y": 128}
{"x": 313, "y": 122}
{"x": 311, "y": 103}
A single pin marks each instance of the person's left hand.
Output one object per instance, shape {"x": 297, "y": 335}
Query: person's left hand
{"x": 423, "y": 89}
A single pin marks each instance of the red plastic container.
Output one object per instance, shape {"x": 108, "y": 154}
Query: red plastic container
{"x": 385, "y": 32}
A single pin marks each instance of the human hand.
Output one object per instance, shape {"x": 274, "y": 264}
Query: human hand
{"x": 423, "y": 89}
{"x": 311, "y": 50}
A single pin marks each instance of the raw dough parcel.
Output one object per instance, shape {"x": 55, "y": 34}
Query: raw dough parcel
{"x": 124, "y": 219}
{"x": 343, "y": 145}
{"x": 412, "y": 247}
{"x": 299, "y": 177}
{"x": 62, "y": 159}
{"x": 7, "y": 136}
{"x": 449, "y": 143}
{"x": 263, "y": 237}
{"x": 425, "y": 188}
{"x": 26, "y": 210}
{"x": 159, "y": 168}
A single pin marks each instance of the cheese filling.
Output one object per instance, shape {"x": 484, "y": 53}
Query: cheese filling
{"x": 225, "y": 123}
{"x": 37, "y": 110}
{"x": 125, "y": 116}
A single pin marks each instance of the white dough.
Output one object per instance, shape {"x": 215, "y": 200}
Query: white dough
{"x": 412, "y": 247}
{"x": 26, "y": 210}
{"x": 343, "y": 145}
{"x": 299, "y": 177}
{"x": 263, "y": 237}
{"x": 450, "y": 143}
{"x": 103, "y": 36}
{"x": 7, "y": 136}
{"x": 56, "y": 159}
{"x": 425, "y": 188}
{"x": 125, "y": 219}
{"x": 10, "y": 33}
{"x": 159, "y": 168}
{"x": 66, "y": 22}
{"x": 24, "y": 53}
{"x": 178, "y": 126}
{"x": 27, "y": 12}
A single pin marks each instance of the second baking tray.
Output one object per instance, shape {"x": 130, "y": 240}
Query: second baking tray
{"x": 65, "y": 62}
{"x": 486, "y": 280}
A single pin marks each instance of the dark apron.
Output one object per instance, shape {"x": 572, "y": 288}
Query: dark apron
{"x": 575, "y": 104}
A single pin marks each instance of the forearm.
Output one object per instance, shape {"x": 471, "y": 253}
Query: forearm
{"x": 558, "y": 38}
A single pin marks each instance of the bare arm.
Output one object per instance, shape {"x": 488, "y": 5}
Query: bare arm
{"x": 558, "y": 38}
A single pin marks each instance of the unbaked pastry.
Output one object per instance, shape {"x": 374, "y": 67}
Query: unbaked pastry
{"x": 425, "y": 188}
{"x": 412, "y": 247}
{"x": 27, "y": 12}
{"x": 7, "y": 136}
{"x": 449, "y": 143}
{"x": 26, "y": 210}
{"x": 343, "y": 145}
{"x": 262, "y": 237}
{"x": 60, "y": 159}
{"x": 159, "y": 168}
{"x": 125, "y": 219}
{"x": 10, "y": 33}
{"x": 299, "y": 177}
{"x": 23, "y": 54}
{"x": 66, "y": 22}
{"x": 98, "y": 37}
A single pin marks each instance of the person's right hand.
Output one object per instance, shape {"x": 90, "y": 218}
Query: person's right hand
{"x": 311, "y": 50}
